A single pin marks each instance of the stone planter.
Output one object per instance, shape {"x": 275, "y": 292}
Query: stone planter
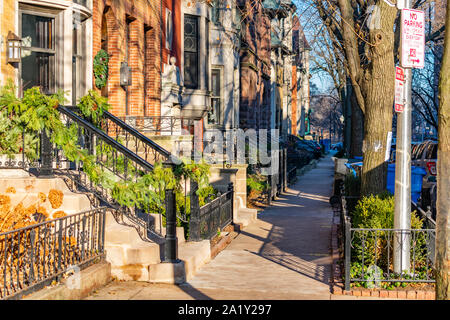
{"x": 340, "y": 166}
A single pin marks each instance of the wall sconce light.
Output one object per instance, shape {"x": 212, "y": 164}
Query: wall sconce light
{"x": 13, "y": 50}
{"x": 125, "y": 74}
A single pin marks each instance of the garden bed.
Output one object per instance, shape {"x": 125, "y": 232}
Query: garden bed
{"x": 417, "y": 291}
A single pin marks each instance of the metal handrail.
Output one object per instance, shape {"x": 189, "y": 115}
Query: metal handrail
{"x": 110, "y": 141}
{"x": 137, "y": 134}
{"x": 141, "y": 222}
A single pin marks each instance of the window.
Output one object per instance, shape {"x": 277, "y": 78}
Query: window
{"x": 78, "y": 60}
{"x": 191, "y": 67}
{"x": 169, "y": 29}
{"x": 216, "y": 98}
{"x": 216, "y": 12}
{"x": 38, "y": 51}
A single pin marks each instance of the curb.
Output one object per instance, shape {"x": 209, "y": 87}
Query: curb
{"x": 337, "y": 283}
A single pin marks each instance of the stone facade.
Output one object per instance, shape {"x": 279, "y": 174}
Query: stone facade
{"x": 281, "y": 19}
{"x": 130, "y": 32}
{"x": 254, "y": 109}
{"x": 224, "y": 43}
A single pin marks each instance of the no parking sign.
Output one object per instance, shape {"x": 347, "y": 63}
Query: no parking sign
{"x": 412, "y": 39}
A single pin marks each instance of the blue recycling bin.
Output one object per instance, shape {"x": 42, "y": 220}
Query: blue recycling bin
{"x": 417, "y": 174}
{"x": 326, "y": 144}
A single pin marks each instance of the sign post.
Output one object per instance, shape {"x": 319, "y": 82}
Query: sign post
{"x": 412, "y": 55}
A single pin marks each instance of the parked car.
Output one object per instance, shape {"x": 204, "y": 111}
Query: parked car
{"x": 337, "y": 146}
{"x": 299, "y": 153}
{"x": 308, "y": 145}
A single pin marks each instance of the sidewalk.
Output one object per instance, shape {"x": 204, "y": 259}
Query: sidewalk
{"x": 283, "y": 255}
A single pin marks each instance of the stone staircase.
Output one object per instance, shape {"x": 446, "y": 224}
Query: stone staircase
{"x": 26, "y": 189}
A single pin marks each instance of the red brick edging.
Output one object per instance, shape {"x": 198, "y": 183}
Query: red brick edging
{"x": 337, "y": 283}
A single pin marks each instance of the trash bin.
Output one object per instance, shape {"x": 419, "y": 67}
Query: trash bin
{"x": 417, "y": 174}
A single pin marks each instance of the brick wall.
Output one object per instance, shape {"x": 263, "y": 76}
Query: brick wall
{"x": 144, "y": 49}
{"x": 7, "y": 17}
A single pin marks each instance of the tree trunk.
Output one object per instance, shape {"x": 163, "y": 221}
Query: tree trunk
{"x": 443, "y": 180}
{"x": 357, "y": 129}
{"x": 378, "y": 91}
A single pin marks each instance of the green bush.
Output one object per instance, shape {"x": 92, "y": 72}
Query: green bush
{"x": 377, "y": 212}
{"x": 256, "y": 182}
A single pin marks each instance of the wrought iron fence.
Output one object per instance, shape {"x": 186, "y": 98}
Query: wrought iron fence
{"x": 22, "y": 159}
{"x": 35, "y": 256}
{"x": 368, "y": 252}
{"x": 205, "y": 221}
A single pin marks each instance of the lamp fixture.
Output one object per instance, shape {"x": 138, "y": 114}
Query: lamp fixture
{"x": 13, "y": 50}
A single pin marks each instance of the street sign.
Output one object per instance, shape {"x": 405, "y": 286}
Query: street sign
{"x": 399, "y": 89}
{"x": 412, "y": 39}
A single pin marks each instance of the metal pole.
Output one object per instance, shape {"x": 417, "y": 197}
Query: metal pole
{"x": 194, "y": 222}
{"x": 171, "y": 244}
{"x": 402, "y": 211}
{"x": 46, "y": 156}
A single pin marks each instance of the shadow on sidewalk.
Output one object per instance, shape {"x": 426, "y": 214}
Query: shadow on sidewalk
{"x": 301, "y": 218}
{"x": 194, "y": 293}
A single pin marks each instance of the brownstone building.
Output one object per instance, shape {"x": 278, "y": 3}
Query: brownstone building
{"x": 255, "y": 66}
{"x": 130, "y": 32}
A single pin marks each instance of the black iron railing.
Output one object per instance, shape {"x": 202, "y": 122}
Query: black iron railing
{"x": 156, "y": 125}
{"x": 34, "y": 256}
{"x": 129, "y": 136}
{"x": 133, "y": 139}
{"x": 207, "y": 220}
{"x": 117, "y": 159}
{"x": 369, "y": 252}
{"x": 113, "y": 157}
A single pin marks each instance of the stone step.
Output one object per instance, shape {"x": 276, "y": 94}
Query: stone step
{"x": 245, "y": 216}
{"x": 71, "y": 202}
{"x": 116, "y": 234}
{"x": 32, "y": 184}
{"x": 192, "y": 256}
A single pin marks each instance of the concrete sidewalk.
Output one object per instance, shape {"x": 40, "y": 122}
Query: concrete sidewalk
{"x": 283, "y": 255}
